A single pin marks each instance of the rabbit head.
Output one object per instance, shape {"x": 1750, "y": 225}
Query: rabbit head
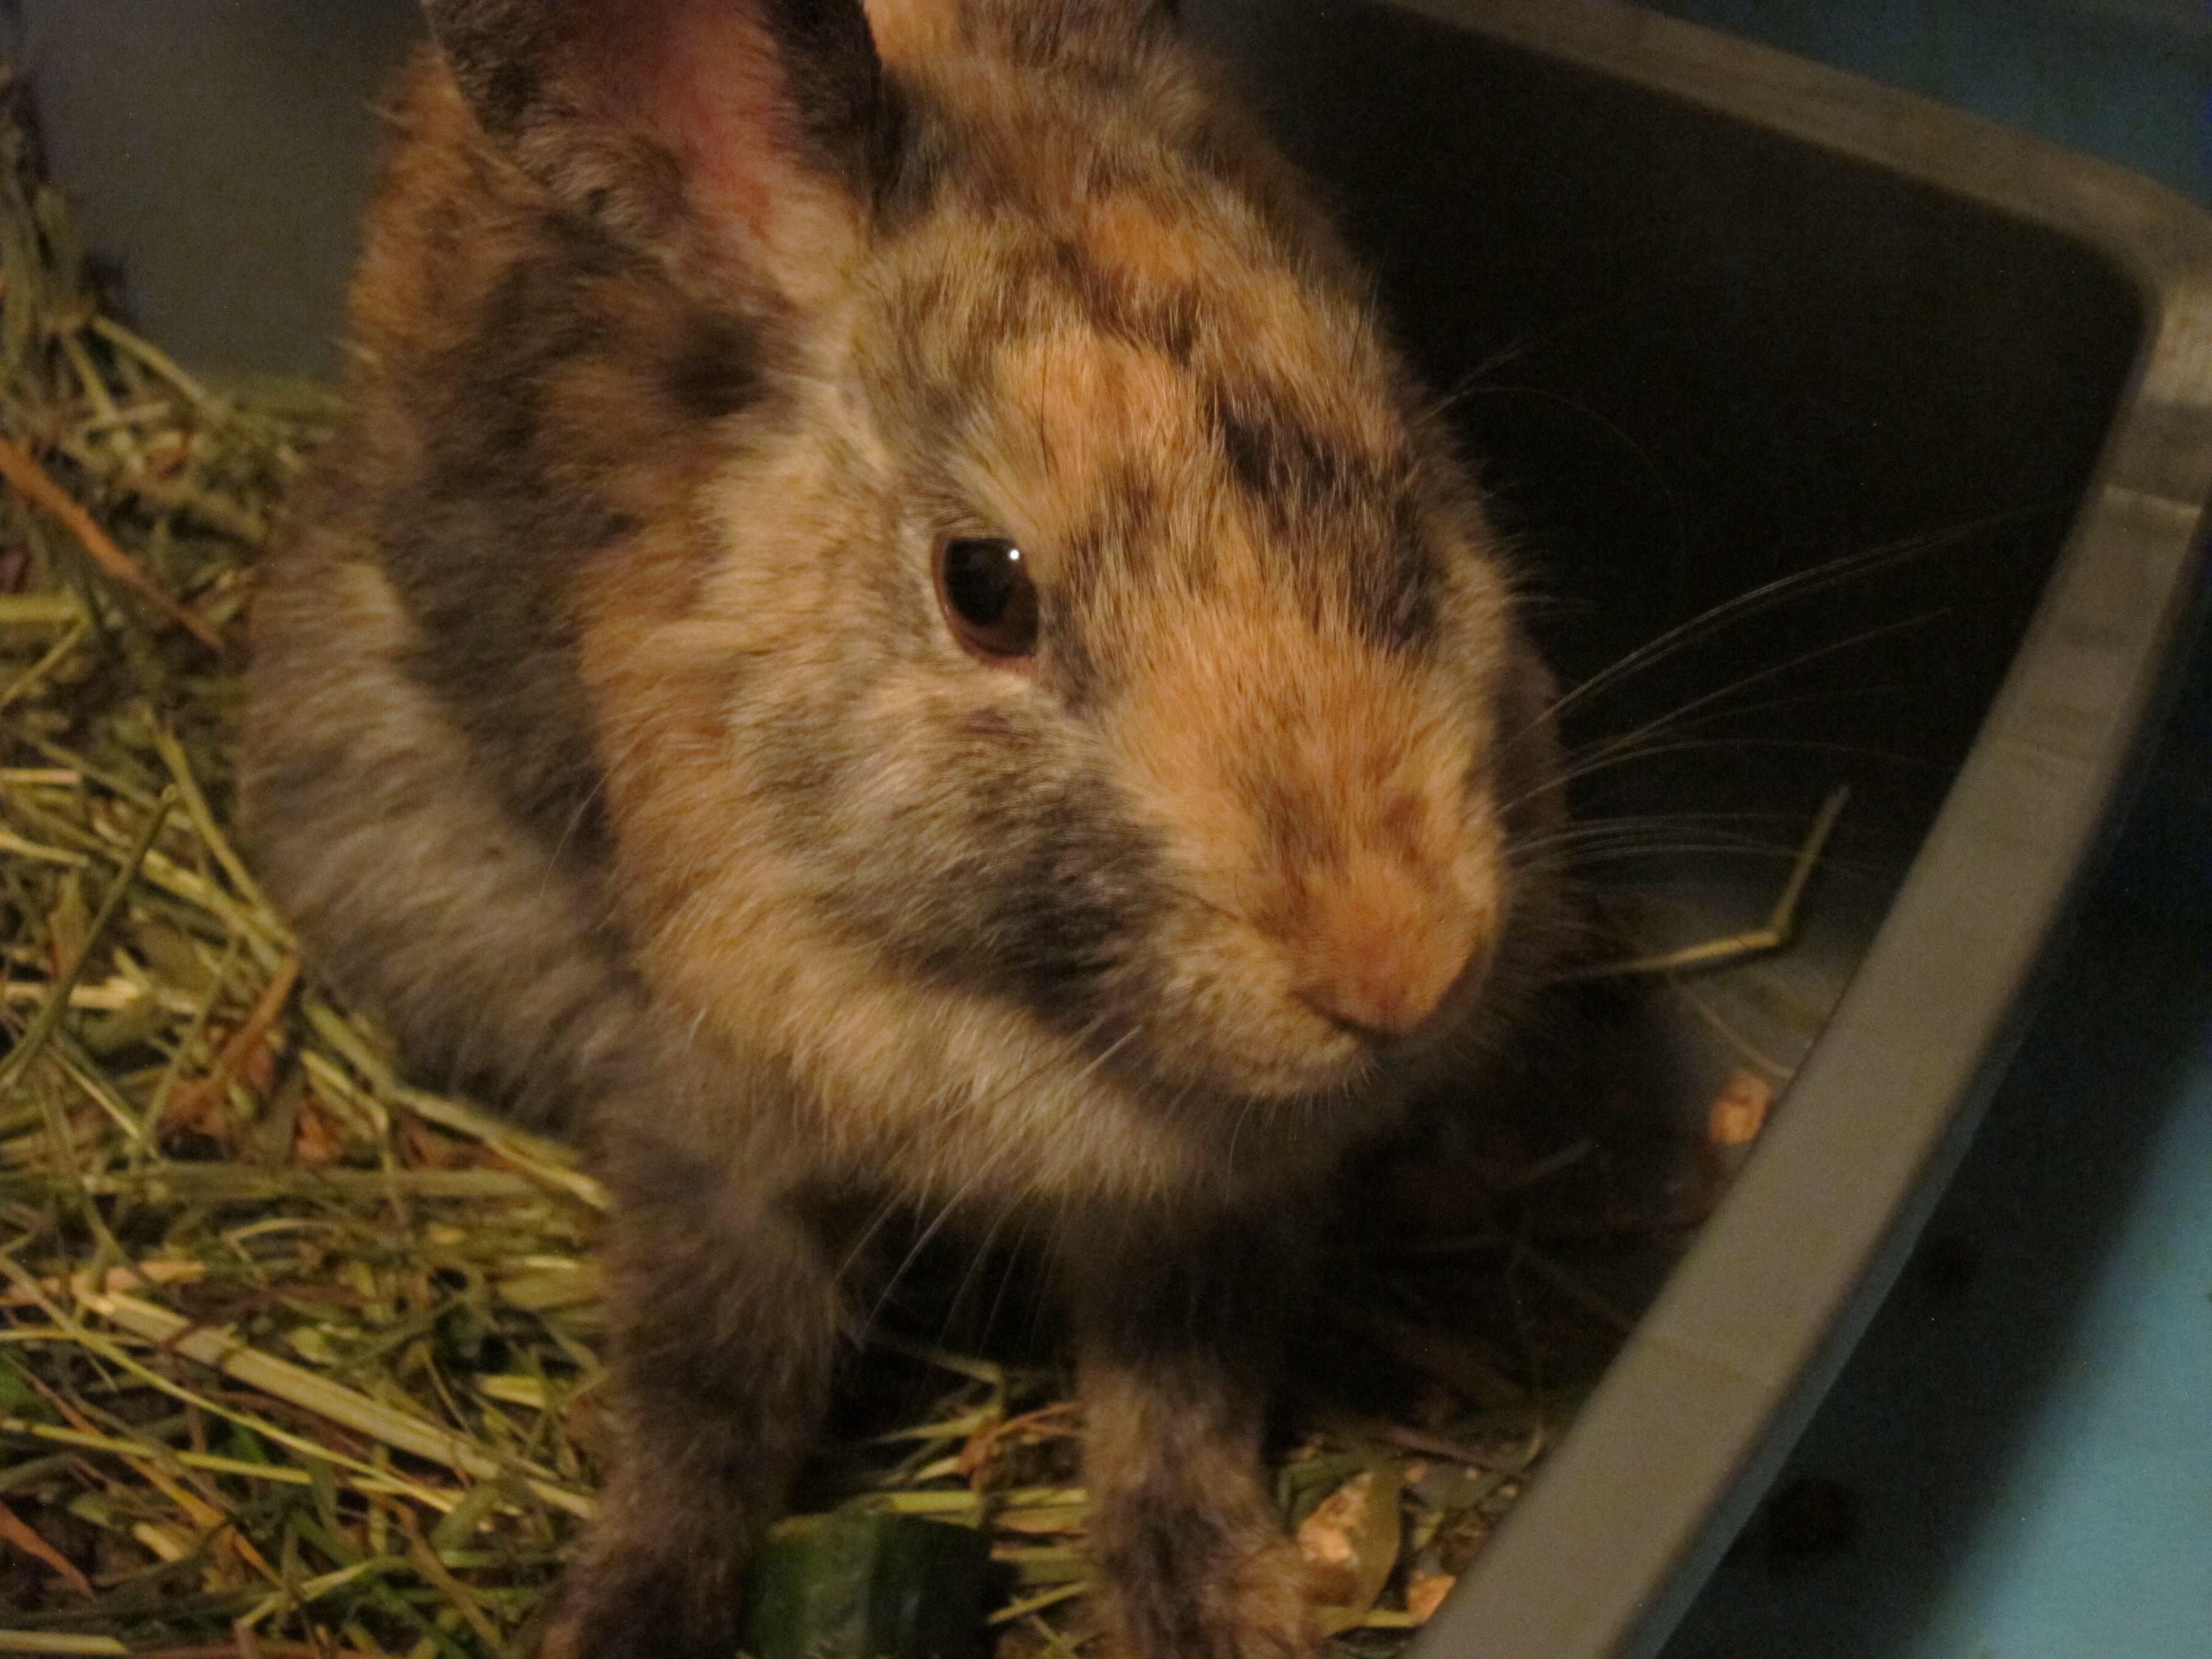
{"x": 1072, "y": 636}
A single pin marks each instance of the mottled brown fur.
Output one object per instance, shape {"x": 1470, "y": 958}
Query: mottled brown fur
{"x": 608, "y": 739}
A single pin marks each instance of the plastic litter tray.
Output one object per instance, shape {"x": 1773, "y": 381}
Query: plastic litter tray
{"x": 1717, "y": 322}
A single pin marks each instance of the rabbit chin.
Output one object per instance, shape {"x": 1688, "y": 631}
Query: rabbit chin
{"x": 1259, "y": 1040}
{"x": 1251, "y": 1055}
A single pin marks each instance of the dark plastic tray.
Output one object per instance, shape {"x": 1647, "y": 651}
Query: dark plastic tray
{"x": 1717, "y": 319}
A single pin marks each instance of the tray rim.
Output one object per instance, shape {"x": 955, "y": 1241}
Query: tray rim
{"x": 1665, "y": 1461}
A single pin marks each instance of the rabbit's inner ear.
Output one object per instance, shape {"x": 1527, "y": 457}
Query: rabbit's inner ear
{"x": 720, "y": 132}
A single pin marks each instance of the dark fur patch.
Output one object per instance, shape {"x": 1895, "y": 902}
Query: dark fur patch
{"x": 926, "y": 362}
{"x": 481, "y": 550}
{"x": 1041, "y": 891}
{"x": 513, "y": 502}
{"x": 498, "y": 53}
{"x": 1369, "y": 555}
{"x": 1282, "y": 464}
{"x": 850, "y": 115}
{"x": 1066, "y": 665}
{"x": 914, "y": 152}
{"x": 1194, "y": 1302}
{"x": 503, "y": 95}
{"x": 1051, "y": 911}
{"x": 1063, "y": 909}
{"x": 717, "y": 371}
{"x": 1165, "y": 319}
{"x": 1397, "y": 595}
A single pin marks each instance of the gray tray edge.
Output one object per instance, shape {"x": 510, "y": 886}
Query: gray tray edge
{"x": 1668, "y": 1458}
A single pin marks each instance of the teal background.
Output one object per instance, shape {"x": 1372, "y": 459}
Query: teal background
{"x": 2127, "y": 79}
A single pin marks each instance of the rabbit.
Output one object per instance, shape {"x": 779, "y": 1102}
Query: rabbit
{"x": 887, "y": 628}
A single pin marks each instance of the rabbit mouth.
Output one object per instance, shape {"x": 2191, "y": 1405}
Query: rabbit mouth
{"x": 1236, "y": 1016}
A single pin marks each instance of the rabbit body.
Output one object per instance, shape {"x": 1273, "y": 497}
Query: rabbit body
{"x": 613, "y": 736}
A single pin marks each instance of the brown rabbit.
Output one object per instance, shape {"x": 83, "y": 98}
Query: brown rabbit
{"x": 887, "y": 629}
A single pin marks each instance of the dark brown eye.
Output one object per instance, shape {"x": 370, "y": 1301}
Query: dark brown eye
{"x": 987, "y": 596}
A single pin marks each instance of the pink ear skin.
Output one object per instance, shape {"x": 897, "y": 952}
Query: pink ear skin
{"x": 677, "y": 125}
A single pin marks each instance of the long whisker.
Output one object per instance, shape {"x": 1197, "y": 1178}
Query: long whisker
{"x": 976, "y": 1261}
{"x": 1644, "y": 459}
{"x": 954, "y": 1202}
{"x": 867, "y": 1234}
{"x": 1613, "y": 830}
{"x": 1580, "y": 770}
{"x": 1780, "y": 591}
{"x": 1639, "y": 744}
{"x": 1803, "y": 660}
{"x": 1472, "y": 382}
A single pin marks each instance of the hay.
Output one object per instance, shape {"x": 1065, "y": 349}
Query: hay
{"x": 295, "y": 1358}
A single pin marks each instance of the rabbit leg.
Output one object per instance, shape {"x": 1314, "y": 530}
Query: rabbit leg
{"x": 726, "y": 1321}
{"x": 1177, "y": 1346}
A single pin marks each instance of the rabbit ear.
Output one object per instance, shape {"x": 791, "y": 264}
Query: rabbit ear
{"x": 716, "y": 130}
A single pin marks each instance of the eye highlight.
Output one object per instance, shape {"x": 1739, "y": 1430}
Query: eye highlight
{"x": 984, "y": 587}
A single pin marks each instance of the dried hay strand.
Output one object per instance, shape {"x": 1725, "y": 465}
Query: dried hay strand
{"x": 292, "y": 1358}
{"x": 298, "y": 1360}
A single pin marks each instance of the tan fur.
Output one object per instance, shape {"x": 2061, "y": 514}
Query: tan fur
{"x": 1254, "y": 1582}
{"x": 608, "y": 736}
{"x": 909, "y": 32}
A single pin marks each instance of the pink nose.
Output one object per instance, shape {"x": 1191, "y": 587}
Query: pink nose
{"x": 1381, "y": 949}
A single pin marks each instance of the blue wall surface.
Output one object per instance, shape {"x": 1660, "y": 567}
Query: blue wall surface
{"x": 2130, "y": 80}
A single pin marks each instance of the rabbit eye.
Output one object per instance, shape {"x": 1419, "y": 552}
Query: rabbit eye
{"x": 987, "y": 596}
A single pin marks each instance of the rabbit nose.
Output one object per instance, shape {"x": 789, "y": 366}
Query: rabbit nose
{"x": 1382, "y": 948}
